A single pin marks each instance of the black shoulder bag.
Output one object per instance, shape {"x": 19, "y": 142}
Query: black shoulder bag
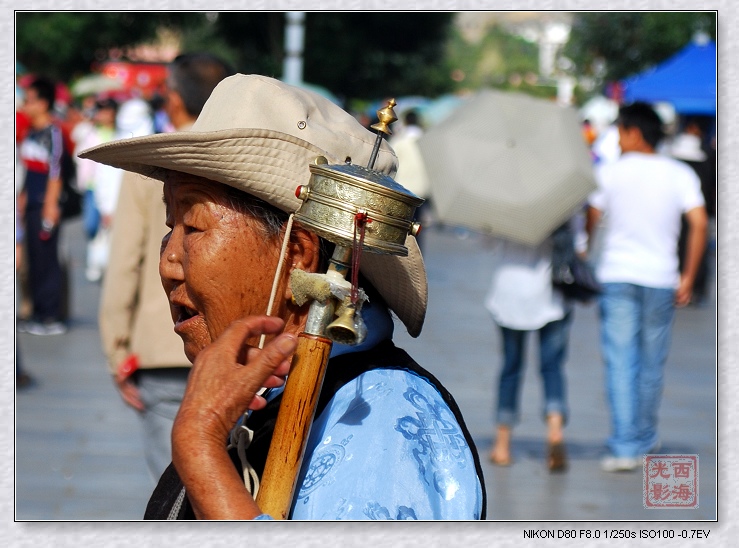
{"x": 572, "y": 275}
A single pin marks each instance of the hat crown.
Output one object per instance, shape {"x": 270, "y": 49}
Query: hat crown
{"x": 257, "y": 102}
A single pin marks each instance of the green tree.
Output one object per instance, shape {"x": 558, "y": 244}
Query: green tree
{"x": 251, "y": 41}
{"x": 611, "y": 46}
{"x": 496, "y": 60}
{"x": 357, "y": 55}
{"x": 63, "y": 45}
{"x": 499, "y": 60}
{"x": 354, "y": 54}
{"x": 373, "y": 54}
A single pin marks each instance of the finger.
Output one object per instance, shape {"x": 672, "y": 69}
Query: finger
{"x": 235, "y": 336}
{"x": 130, "y": 395}
{"x": 257, "y": 403}
{"x": 252, "y": 326}
{"x": 283, "y": 369}
{"x": 273, "y": 382}
{"x": 278, "y": 352}
{"x": 270, "y": 359}
{"x": 277, "y": 378}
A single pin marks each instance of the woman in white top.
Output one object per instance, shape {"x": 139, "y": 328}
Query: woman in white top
{"x": 522, "y": 299}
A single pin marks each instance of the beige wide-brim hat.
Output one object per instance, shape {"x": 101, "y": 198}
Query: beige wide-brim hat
{"x": 259, "y": 135}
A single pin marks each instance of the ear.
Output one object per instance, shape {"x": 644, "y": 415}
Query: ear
{"x": 304, "y": 253}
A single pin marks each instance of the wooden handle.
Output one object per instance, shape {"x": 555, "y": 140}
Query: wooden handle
{"x": 294, "y": 419}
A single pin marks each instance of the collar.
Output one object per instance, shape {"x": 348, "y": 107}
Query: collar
{"x": 379, "y": 327}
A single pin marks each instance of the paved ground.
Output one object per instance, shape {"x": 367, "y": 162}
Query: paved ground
{"x": 79, "y": 457}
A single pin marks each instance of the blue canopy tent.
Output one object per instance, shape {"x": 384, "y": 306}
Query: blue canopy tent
{"x": 687, "y": 80}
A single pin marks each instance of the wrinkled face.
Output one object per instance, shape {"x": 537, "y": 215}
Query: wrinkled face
{"x": 216, "y": 263}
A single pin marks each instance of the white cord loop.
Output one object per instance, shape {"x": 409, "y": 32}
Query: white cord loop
{"x": 241, "y": 435}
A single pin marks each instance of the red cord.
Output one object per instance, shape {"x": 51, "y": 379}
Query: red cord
{"x": 360, "y": 224}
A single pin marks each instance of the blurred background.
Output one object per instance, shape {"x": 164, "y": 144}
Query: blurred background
{"x": 78, "y": 449}
{"x": 361, "y": 58}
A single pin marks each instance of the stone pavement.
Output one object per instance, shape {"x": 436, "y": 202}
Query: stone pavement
{"x": 79, "y": 454}
{"x": 78, "y": 448}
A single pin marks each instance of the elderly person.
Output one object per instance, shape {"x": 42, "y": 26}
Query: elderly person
{"x": 388, "y": 441}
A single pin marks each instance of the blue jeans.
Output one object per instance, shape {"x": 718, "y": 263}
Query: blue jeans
{"x": 635, "y": 335}
{"x": 552, "y": 351}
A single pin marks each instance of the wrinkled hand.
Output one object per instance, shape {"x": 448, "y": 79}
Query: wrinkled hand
{"x": 226, "y": 377}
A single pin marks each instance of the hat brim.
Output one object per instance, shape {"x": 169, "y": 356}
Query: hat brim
{"x": 263, "y": 163}
{"x": 268, "y": 165}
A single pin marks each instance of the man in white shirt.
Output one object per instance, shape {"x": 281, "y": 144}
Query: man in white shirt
{"x": 642, "y": 196}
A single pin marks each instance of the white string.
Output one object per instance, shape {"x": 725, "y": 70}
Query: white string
{"x": 278, "y": 273}
{"x": 242, "y": 436}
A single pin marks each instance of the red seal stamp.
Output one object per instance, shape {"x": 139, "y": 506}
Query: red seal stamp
{"x": 670, "y": 481}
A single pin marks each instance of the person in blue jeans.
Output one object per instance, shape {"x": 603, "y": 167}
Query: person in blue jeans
{"x": 642, "y": 197}
{"x": 522, "y": 300}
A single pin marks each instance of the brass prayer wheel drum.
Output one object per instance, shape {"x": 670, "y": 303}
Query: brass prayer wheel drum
{"x": 335, "y": 194}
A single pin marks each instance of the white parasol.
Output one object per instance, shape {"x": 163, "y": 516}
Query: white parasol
{"x": 509, "y": 165}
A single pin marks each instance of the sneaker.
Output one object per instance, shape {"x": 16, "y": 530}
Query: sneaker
{"x": 46, "y": 328}
{"x": 619, "y": 464}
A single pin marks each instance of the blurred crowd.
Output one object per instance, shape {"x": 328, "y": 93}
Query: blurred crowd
{"x": 53, "y": 185}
